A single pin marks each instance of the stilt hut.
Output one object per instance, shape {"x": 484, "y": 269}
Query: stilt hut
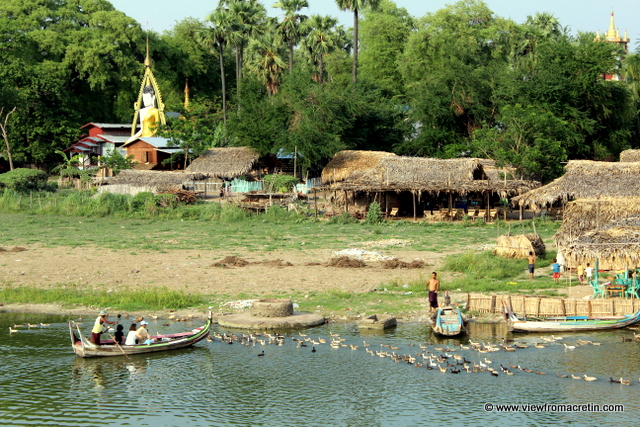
{"x": 225, "y": 164}
{"x": 414, "y": 185}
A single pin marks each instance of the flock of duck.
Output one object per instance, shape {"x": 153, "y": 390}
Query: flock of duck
{"x": 28, "y": 325}
{"x": 448, "y": 360}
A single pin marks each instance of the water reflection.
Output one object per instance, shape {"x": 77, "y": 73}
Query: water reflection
{"x": 215, "y": 384}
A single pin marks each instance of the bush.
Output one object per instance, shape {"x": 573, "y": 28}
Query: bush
{"x": 280, "y": 182}
{"x": 24, "y": 179}
{"x": 374, "y": 214}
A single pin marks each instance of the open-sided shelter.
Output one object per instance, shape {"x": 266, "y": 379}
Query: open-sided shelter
{"x": 133, "y": 181}
{"x": 389, "y": 179}
{"x": 225, "y": 162}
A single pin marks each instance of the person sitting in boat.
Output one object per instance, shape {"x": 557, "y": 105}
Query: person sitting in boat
{"x": 143, "y": 335}
{"x": 131, "y": 336}
{"x": 119, "y": 335}
{"x": 98, "y": 327}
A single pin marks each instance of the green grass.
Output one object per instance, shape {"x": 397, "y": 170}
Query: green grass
{"x": 125, "y": 299}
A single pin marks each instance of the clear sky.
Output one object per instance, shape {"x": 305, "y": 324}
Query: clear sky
{"x": 579, "y": 15}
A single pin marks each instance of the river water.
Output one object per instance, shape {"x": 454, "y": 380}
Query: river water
{"x": 43, "y": 383}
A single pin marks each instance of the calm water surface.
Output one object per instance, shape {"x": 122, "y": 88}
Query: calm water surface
{"x": 214, "y": 384}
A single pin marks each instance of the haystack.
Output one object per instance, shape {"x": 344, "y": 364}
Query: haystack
{"x": 520, "y": 246}
{"x": 616, "y": 245}
{"x": 586, "y": 179}
{"x": 630, "y": 156}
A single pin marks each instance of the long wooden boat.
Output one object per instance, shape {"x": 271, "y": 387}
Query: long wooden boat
{"x": 84, "y": 348}
{"x": 569, "y": 323}
{"x": 448, "y": 321}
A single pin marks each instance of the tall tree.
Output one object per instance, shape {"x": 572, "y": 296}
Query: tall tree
{"x": 291, "y": 27}
{"x": 216, "y": 35}
{"x": 320, "y": 41}
{"x": 355, "y": 6}
{"x": 5, "y": 135}
{"x": 265, "y": 62}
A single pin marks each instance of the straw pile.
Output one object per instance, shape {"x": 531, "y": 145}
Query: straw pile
{"x": 616, "y": 245}
{"x": 157, "y": 180}
{"x": 630, "y": 156}
{"x": 226, "y": 162}
{"x": 519, "y": 246}
{"x": 586, "y": 179}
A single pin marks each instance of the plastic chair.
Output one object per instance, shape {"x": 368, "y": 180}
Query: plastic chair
{"x": 598, "y": 290}
{"x": 632, "y": 288}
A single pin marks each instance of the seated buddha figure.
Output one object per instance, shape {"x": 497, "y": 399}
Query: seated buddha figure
{"x": 149, "y": 115}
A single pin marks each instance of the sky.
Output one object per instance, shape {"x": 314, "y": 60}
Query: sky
{"x": 579, "y": 15}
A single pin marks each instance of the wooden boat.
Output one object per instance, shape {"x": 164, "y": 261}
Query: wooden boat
{"x": 569, "y": 323}
{"x": 84, "y": 348}
{"x": 448, "y": 321}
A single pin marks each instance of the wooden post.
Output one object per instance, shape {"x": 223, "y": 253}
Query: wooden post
{"x": 563, "y": 309}
{"x": 493, "y": 304}
{"x": 315, "y": 201}
{"x": 450, "y": 202}
{"x": 295, "y": 161}
{"x": 468, "y": 301}
{"x": 521, "y": 212}
{"x": 589, "y": 309}
{"x": 538, "y": 307}
{"x": 613, "y": 307}
{"x": 413, "y": 197}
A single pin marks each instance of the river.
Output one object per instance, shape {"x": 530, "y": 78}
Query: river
{"x": 43, "y": 383}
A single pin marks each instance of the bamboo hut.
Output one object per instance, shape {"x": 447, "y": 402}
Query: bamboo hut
{"x": 630, "y": 156}
{"x": 519, "y": 246}
{"x": 225, "y": 163}
{"x": 586, "y": 179}
{"x": 353, "y": 173}
{"x": 133, "y": 181}
{"x": 615, "y": 245}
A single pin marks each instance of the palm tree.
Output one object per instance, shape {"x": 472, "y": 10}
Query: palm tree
{"x": 355, "y": 6}
{"x": 265, "y": 61}
{"x": 216, "y": 36}
{"x": 291, "y": 26}
{"x": 248, "y": 17}
{"x": 321, "y": 40}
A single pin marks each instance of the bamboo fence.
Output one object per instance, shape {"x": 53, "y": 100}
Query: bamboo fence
{"x": 540, "y": 306}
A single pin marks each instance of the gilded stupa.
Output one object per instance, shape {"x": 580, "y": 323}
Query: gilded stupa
{"x": 612, "y": 35}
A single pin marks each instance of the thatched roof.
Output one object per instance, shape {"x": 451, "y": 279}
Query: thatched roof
{"x": 161, "y": 181}
{"x": 373, "y": 171}
{"x": 226, "y": 162}
{"x": 615, "y": 245}
{"x": 630, "y": 156}
{"x": 584, "y": 215}
{"x": 586, "y": 179}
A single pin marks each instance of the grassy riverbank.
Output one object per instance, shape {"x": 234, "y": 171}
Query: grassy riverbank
{"x": 457, "y": 250}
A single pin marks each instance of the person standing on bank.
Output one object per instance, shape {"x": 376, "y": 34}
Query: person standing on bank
{"x": 532, "y": 264}
{"x": 433, "y": 286}
{"x": 555, "y": 267}
{"x": 98, "y": 327}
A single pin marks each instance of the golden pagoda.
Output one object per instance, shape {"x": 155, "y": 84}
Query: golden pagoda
{"x": 149, "y": 108}
{"x": 612, "y": 35}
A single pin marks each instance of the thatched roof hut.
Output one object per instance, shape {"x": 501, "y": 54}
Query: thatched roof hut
{"x": 375, "y": 171}
{"x": 225, "y": 162}
{"x": 584, "y": 215}
{"x": 132, "y": 181}
{"x": 615, "y": 245}
{"x": 630, "y": 156}
{"x": 520, "y": 245}
{"x": 586, "y": 179}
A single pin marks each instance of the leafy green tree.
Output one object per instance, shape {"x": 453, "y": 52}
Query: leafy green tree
{"x": 117, "y": 162}
{"x": 383, "y": 37}
{"x": 529, "y": 138}
{"x": 355, "y": 6}
{"x": 265, "y": 62}
{"x": 4, "y": 118}
{"x": 321, "y": 40}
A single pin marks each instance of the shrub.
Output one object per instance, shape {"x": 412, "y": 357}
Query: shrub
{"x": 374, "y": 215}
{"x": 24, "y": 179}
{"x": 280, "y": 182}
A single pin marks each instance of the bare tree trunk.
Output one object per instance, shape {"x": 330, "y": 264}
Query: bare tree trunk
{"x": 5, "y": 135}
{"x": 224, "y": 86}
{"x": 355, "y": 46}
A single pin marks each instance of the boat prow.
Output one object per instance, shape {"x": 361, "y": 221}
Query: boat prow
{"x": 448, "y": 321}
{"x": 569, "y": 323}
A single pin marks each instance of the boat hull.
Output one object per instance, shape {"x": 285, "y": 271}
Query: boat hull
{"x": 83, "y": 348}
{"x": 448, "y": 323}
{"x": 571, "y": 324}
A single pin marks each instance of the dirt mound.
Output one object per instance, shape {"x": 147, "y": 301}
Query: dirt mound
{"x": 396, "y": 263}
{"x": 346, "y": 262}
{"x": 230, "y": 261}
{"x": 14, "y": 249}
{"x": 277, "y": 263}
{"x": 313, "y": 263}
